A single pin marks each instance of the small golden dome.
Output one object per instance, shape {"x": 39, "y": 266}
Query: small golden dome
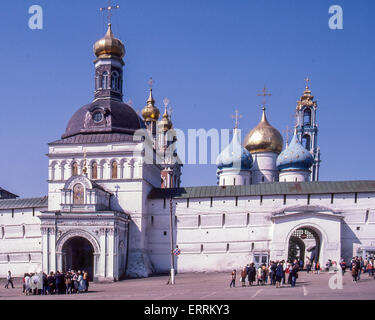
{"x": 165, "y": 123}
{"x": 264, "y": 138}
{"x": 150, "y": 112}
{"x": 109, "y": 46}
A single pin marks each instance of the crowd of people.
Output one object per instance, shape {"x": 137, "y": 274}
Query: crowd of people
{"x": 360, "y": 265}
{"x": 276, "y": 273}
{"x": 55, "y": 283}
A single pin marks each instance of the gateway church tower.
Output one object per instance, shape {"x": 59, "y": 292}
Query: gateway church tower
{"x": 98, "y": 181}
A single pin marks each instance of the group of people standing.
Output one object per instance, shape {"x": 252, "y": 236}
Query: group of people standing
{"x": 276, "y": 273}
{"x": 55, "y": 283}
{"x": 360, "y": 265}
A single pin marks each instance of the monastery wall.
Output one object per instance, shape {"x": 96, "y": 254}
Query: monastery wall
{"x": 225, "y": 233}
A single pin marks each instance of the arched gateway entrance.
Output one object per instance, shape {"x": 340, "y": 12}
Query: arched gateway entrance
{"x": 304, "y": 243}
{"x": 78, "y": 254}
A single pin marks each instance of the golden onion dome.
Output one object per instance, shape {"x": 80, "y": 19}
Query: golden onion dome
{"x": 109, "y": 46}
{"x": 165, "y": 123}
{"x": 264, "y": 138}
{"x": 150, "y": 112}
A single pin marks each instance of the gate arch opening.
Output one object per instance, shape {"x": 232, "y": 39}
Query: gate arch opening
{"x": 78, "y": 254}
{"x": 304, "y": 242}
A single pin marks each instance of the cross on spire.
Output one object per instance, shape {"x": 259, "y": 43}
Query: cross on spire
{"x": 307, "y": 80}
{"x": 109, "y": 8}
{"x": 236, "y": 116}
{"x": 287, "y": 131}
{"x": 264, "y": 94}
{"x": 166, "y": 103}
{"x": 151, "y": 83}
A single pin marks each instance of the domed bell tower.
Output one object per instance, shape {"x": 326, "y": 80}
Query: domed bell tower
{"x": 109, "y": 67}
{"x": 307, "y": 128}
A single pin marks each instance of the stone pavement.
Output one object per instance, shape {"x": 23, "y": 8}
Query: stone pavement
{"x": 210, "y": 286}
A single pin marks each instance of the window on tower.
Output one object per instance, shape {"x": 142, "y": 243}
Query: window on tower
{"x": 105, "y": 80}
{"x": 307, "y": 117}
{"x": 306, "y": 142}
{"x": 94, "y": 172}
{"x": 115, "y": 81}
{"x": 114, "y": 170}
{"x": 75, "y": 169}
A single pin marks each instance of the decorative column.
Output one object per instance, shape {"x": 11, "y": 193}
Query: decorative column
{"x": 52, "y": 248}
{"x": 111, "y": 253}
{"x": 102, "y": 272}
{"x": 45, "y": 250}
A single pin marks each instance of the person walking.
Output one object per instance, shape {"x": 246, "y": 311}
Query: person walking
{"x": 279, "y": 274}
{"x": 294, "y": 275}
{"x": 51, "y": 283}
{"x": 243, "y": 276}
{"x": 68, "y": 283}
{"x": 355, "y": 272}
{"x": 317, "y": 267}
{"x": 260, "y": 276}
{"x": 9, "y": 280}
{"x": 233, "y": 279}
{"x": 343, "y": 266}
{"x": 308, "y": 266}
{"x": 45, "y": 284}
{"x": 86, "y": 280}
{"x": 251, "y": 273}
{"x": 284, "y": 270}
{"x": 27, "y": 284}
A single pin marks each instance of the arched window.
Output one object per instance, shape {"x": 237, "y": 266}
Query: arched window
{"x": 105, "y": 80}
{"x": 307, "y": 117}
{"x": 94, "y": 171}
{"x": 78, "y": 194}
{"x": 115, "y": 81}
{"x": 306, "y": 142}
{"x": 75, "y": 169}
{"x": 114, "y": 170}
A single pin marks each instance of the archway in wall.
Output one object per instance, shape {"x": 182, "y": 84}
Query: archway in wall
{"x": 304, "y": 243}
{"x": 78, "y": 254}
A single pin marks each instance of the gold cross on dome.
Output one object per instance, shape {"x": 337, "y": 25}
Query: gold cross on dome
{"x": 166, "y": 102}
{"x": 287, "y": 131}
{"x": 307, "y": 80}
{"x": 151, "y": 83}
{"x": 109, "y": 8}
{"x": 264, "y": 94}
{"x": 236, "y": 116}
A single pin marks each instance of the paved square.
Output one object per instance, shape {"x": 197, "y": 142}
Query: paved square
{"x": 210, "y": 286}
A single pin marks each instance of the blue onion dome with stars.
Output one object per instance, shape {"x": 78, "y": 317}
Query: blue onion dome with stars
{"x": 295, "y": 156}
{"x": 235, "y": 156}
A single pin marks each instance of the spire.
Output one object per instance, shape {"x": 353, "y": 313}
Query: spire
{"x": 165, "y": 123}
{"x": 236, "y": 116}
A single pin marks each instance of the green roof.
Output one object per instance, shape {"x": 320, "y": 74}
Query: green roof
{"x": 266, "y": 189}
{"x": 24, "y": 203}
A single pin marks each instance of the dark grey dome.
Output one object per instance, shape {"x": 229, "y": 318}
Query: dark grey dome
{"x": 103, "y": 116}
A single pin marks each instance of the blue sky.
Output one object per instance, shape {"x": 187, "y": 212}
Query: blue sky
{"x": 208, "y": 57}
